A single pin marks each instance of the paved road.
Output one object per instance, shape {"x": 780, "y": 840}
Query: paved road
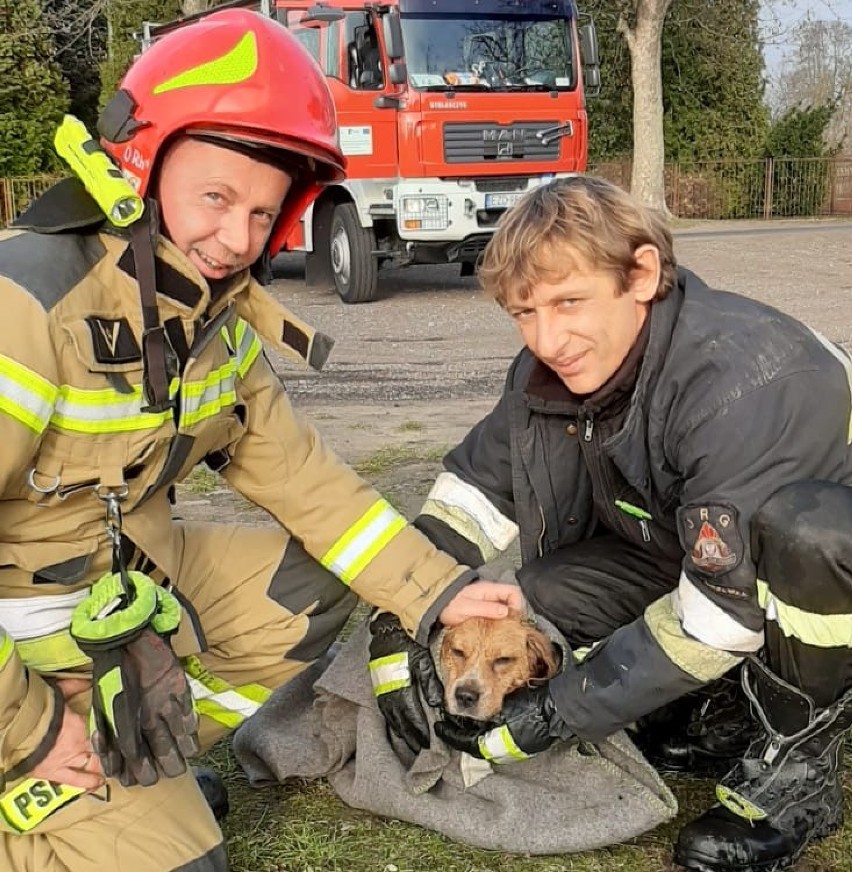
{"x": 434, "y": 336}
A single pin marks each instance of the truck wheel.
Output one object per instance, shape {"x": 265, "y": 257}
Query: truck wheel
{"x": 353, "y": 265}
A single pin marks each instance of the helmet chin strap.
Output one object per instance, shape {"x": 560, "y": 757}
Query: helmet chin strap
{"x": 155, "y": 345}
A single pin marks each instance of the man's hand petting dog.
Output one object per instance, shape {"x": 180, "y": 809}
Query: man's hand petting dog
{"x": 483, "y": 599}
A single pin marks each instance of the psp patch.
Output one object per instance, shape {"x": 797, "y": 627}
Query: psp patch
{"x": 711, "y": 537}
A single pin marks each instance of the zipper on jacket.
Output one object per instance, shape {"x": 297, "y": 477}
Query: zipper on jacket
{"x": 589, "y": 429}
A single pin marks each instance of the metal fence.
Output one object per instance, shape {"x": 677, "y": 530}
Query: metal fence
{"x": 765, "y": 188}
{"x": 17, "y": 194}
{"x": 770, "y": 188}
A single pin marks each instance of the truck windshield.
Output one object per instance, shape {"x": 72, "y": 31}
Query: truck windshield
{"x": 497, "y": 45}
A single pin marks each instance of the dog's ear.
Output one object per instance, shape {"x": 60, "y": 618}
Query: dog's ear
{"x": 541, "y": 656}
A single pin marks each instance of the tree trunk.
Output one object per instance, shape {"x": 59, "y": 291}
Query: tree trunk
{"x": 644, "y": 41}
{"x": 191, "y": 7}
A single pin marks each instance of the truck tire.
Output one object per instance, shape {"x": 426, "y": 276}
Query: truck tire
{"x": 353, "y": 265}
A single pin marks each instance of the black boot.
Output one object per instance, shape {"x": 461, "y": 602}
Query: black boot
{"x": 786, "y": 791}
{"x": 211, "y": 785}
{"x": 704, "y": 733}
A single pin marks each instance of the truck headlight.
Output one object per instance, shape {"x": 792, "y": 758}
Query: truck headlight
{"x": 424, "y": 213}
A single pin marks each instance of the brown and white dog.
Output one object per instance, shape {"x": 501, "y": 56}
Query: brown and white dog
{"x": 482, "y": 660}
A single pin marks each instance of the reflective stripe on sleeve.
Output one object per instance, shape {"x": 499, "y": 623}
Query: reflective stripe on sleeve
{"x": 33, "y": 616}
{"x": 390, "y": 673}
{"x": 248, "y": 347}
{"x": 821, "y": 631}
{"x": 693, "y": 657}
{"x": 206, "y": 398}
{"x": 25, "y": 806}
{"x": 220, "y": 701}
{"x": 705, "y": 621}
{"x": 354, "y": 550}
{"x": 498, "y": 746}
{"x": 25, "y": 395}
{"x": 466, "y": 510}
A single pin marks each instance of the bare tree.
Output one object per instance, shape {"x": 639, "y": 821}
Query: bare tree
{"x": 641, "y": 24}
{"x": 818, "y": 71}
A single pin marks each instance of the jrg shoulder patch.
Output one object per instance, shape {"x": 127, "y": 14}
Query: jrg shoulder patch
{"x": 711, "y": 536}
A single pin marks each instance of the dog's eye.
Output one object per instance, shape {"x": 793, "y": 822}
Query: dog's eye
{"x": 458, "y": 653}
{"x": 503, "y": 662}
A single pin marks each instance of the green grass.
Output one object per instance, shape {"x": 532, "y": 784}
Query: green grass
{"x": 389, "y": 456}
{"x": 410, "y": 427}
{"x": 202, "y": 480}
{"x": 303, "y": 827}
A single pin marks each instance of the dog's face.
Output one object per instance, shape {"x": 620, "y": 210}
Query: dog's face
{"x": 483, "y": 660}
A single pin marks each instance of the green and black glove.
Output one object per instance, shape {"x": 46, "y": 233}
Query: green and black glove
{"x": 399, "y": 666}
{"x": 142, "y": 720}
{"x": 528, "y": 725}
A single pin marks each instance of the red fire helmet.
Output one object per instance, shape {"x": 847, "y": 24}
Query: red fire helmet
{"x": 235, "y": 76}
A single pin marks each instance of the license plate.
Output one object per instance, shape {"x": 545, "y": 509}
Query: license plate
{"x": 502, "y": 201}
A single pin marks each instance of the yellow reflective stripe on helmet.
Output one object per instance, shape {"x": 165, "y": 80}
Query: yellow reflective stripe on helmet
{"x": 215, "y": 698}
{"x": 738, "y": 804}
{"x": 52, "y": 653}
{"x": 821, "y": 631}
{"x": 206, "y": 398}
{"x": 7, "y": 648}
{"x": 237, "y": 65}
{"x": 25, "y": 395}
{"x": 498, "y": 746}
{"x": 363, "y": 541}
{"x": 106, "y": 411}
{"x": 25, "y": 806}
{"x": 248, "y": 347}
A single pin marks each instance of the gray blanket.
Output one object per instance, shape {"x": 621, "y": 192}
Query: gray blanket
{"x": 573, "y": 797}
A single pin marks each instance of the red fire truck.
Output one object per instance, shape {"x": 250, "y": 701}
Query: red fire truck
{"x": 448, "y": 110}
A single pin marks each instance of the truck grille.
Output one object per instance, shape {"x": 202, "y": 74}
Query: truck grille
{"x": 503, "y": 143}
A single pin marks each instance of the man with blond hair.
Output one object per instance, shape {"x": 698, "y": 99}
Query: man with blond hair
{"x": 676, "y": 461}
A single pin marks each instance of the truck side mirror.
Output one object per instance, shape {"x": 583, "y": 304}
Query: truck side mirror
{"x": 398, "y": 73}
{"x": 592, "y": 81}
{"x": 393, "y": 35}
{"x": 589, "y": 44}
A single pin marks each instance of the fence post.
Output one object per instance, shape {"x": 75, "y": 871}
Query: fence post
{"x": 767, "y": 187}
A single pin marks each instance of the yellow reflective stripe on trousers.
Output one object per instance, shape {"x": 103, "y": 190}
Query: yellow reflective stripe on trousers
{"x": 7, "y": 648}
{"x": 348, "y": 557}
{"x": 25, "y": 395}
{"x": 220, "y": 701}
{"x": 821, "y": 631}
{"x": 248, "y": 347}
{"x": 498, "y": 746}
{"x": 106, "y": 410}
{"x": 25, "y": 806}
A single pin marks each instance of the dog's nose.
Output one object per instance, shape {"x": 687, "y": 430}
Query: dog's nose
{"x": 466, "y": 696}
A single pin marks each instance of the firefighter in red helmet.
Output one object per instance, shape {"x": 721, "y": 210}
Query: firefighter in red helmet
{"x": 128, "y": 355}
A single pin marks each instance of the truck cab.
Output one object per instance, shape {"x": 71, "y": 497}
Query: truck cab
{"x": 448, "y": 112}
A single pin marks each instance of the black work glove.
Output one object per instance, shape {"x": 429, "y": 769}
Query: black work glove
{"x": 398, "y": 668}
{"x": 528, "y": 724}
{"x": 140, "y": 725}
{"x": 167, "y": 718}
